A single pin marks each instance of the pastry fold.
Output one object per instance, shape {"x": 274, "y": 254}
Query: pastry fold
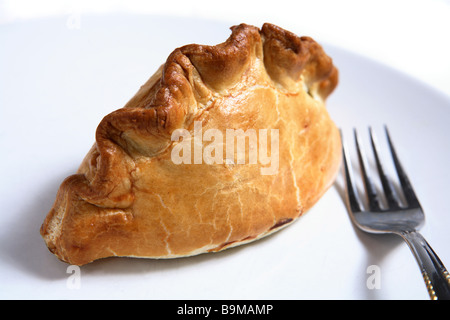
{"x": 130, "y": 198}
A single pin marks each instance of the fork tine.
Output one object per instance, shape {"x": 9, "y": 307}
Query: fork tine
{"x": 385, "y": 182}
{"x": 372, "y": 196}
{"x": 407, "y": 188}
{"x": 351, "y": 189}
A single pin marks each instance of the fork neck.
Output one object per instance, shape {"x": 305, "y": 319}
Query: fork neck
{"x": 437, "y": 278}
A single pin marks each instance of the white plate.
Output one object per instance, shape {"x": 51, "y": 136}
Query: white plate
{"x": 58, "y": 81}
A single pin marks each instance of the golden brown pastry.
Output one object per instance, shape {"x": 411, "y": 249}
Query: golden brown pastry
{"x": 138, "y": 194}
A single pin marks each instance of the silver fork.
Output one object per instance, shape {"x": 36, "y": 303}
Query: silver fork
{"x": 403, "y": 220}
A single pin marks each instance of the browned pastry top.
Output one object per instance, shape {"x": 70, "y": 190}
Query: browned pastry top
{"x": 129, "y": 199}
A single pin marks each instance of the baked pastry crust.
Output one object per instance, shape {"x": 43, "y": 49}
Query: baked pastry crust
{"x": 129, "y": 198}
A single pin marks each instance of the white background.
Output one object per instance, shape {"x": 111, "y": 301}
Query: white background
{"x": 410, "y": 35}
{"x": 52, "y": 97}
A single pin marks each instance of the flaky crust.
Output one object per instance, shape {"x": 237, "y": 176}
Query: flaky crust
{"x": 129, "y": 198}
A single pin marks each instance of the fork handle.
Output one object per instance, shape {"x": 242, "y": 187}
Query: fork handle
{"x": 435, "y": 275}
